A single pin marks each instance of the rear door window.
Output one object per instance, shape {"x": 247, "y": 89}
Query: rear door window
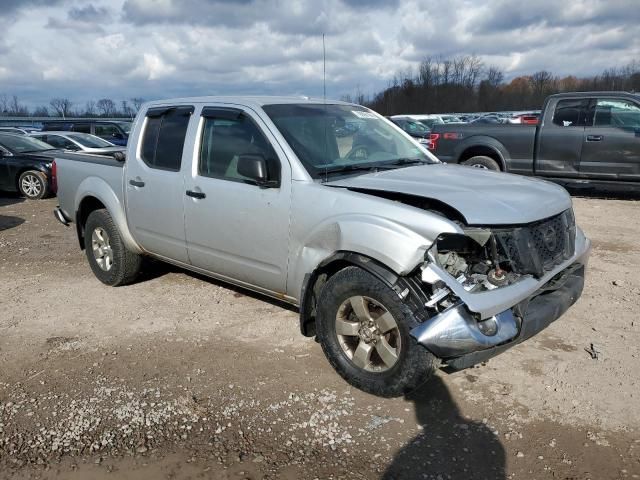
{"x": 82, "y": 127}
{"x": 164, "y": 135}
{"x": 570, "y": 112}
{"x": 616, "y": 113}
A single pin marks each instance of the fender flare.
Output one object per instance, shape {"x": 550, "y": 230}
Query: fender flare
{"x": 486, "y": 142}
{"x": 100, "y": 190}
{"x": 406, "y": 287}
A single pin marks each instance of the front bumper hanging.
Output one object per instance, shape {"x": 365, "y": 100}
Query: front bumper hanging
{"x": 515, "y": 313}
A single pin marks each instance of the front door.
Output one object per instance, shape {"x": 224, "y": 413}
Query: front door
{"x": 611, "y": 148}
{"x": 560, "y": 143}
{"x": 235, "y": 228}
{"x": 154, "y": 183}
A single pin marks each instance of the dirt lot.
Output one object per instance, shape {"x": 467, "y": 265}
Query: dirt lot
{"x": 178, "y": 376}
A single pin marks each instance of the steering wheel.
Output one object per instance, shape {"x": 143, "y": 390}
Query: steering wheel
{"x": 359, "y": 152}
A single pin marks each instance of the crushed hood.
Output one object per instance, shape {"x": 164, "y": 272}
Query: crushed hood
{"x": 482, "y": 197}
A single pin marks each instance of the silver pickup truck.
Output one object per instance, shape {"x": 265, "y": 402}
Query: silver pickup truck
{"x": 397, "y": 262}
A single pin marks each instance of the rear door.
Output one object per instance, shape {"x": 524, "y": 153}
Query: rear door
{"x": 5, "y": 179}
{"x": 560, "y": 139}
{"x": 154, "y": 183}
{"x": 235, "y": 228}
{"x": 611, "y": 148}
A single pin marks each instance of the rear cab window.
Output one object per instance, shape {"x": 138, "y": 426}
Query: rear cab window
{"x": 164, "y": 136}
{"x": 571, "y": 112}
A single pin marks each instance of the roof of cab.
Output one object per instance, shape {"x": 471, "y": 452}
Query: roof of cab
{"x": 246, "y": 100}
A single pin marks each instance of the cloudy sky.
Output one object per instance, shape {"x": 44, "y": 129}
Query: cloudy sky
{"x": 166, "y": 48}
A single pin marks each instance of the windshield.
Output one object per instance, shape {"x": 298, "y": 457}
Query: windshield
{"x": 125, "y": 126}
{"x": 89, "y": 141}
{"x": 23, "y": 144}
{"x": 413, "y": 127}
{"x": 334, "y": 138}
{"x": 430, "y": 122}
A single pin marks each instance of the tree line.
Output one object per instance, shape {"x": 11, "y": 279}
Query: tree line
{"x": 466, "y": 84}
{"x": 10, "y": 106}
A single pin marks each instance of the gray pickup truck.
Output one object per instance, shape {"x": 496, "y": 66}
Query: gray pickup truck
{"x": 582, "y": 138}
{"x": 398, "y": 263}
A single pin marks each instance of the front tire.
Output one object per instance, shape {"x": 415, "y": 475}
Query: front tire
{"x": 363, "y": 328}
{"x": 483, "y": 162}
{"x": 33, "y": 184}
{"x": 110, "y": 260}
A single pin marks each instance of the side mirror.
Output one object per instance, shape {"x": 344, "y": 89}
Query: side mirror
{"x": 254, "y": 167}
{"x": 119, "y": 156}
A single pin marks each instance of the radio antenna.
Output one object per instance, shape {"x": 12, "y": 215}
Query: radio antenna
{"x": 324, "y": 101}
{"x": 324, "y": 71}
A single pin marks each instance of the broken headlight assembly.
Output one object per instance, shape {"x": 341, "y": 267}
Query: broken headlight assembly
{"x": 474, "y": 259}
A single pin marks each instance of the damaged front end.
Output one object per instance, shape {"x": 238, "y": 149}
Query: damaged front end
{"x": 492, "y": 288}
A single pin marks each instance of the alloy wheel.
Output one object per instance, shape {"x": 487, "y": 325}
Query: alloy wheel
{"x": 368, "y": 334}
{"x": 31, "y": 185}
{"x": 101, "y": 247}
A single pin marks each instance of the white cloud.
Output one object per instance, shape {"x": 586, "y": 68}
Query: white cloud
{"x": 163, "y": 48}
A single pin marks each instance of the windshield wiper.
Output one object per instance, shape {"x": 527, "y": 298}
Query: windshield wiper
{"x": 406, "y": 161}
{"x": 349, "y": 168}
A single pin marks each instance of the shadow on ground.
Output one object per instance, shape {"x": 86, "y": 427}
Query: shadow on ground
{"x": 152, "y": 269}
{"x": 7, "y": 199}
{"x": 7, "y": 222}
{"x": 604, "y": 193}
{"x": 449, "y": 445}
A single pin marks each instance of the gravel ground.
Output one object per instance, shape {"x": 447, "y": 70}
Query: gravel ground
{"x": 180, "y": 377}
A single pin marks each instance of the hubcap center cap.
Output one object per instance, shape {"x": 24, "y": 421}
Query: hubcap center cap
{"x": 368, "y": 334}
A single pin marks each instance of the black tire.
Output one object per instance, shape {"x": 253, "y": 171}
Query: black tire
{"x": 414, "y": 364}
{"x": 124, "y": 265}
{"x": 33, "y": 184}
{"x": 486, "y": 163}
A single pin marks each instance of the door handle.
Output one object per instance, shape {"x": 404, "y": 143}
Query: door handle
{"x": 594, "y": 138}
{"x": 136, "y": 183}
{"x": 191, "y": 193}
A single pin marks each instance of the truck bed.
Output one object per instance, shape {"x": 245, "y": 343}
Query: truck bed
{"x": 515, "y": 143}
{"x": 78, "y": 173}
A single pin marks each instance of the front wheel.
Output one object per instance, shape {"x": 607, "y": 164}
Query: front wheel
{"x": 33, "y": 184}
{"x": 112, "y": 263}
{"x": 363, "y": 328}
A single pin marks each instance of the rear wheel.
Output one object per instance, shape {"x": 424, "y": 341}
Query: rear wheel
{"x": 33, "y": 184}
{"x": 363, "y": 327}
{"x": 483, "y": 162}
{"x": 110, "y": 260}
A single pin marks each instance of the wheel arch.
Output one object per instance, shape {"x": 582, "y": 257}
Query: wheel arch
{"x": 94, "y": 193}
{"x": 28, "y": 168}
{"x": 406, "y": 286}
{"x": 487, "y": 147}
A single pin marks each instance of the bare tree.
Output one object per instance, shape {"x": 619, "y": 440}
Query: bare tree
{"x": 90, "y": 109}
{"x": 41, "y": 111}
{"x": 16, "y": 108}
{"x": 106, "y": 107}
{"x": 4, "y": 103}
{"x": 61, "y": 106}
{"x": 137, "y": 103}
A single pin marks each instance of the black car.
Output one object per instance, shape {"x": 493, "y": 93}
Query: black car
{"x": 25, "y": 165}
{"x": 116, "y": 132}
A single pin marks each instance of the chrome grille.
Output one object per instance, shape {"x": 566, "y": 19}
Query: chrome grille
{"x": 538, "y": 247}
